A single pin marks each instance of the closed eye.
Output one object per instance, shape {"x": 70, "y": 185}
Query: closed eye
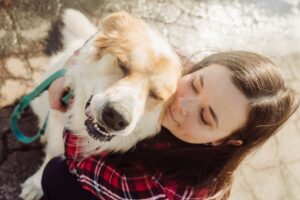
{"x": 154, "y": 95}
{"x": 202, "y": 117}
{"x": 193, "y": 86}
{"x": 123, "y": 67}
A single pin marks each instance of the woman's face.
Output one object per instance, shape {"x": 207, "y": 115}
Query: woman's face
{"x": 206, "y": 107}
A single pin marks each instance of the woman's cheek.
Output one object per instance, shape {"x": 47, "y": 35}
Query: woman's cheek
{"x": 188, "y": 128}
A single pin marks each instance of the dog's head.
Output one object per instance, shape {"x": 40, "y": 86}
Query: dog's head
{"x": 141, "y": 73}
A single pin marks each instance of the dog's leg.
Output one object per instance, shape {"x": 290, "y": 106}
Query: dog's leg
{"x": 31, "y": 188}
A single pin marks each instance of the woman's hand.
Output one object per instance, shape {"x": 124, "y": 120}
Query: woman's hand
{"x": 56, "y": 91}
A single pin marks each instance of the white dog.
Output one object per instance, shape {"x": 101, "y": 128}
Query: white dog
{"x": 122, "y": 73}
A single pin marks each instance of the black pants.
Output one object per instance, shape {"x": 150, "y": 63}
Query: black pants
{"x": 59, "y": 184}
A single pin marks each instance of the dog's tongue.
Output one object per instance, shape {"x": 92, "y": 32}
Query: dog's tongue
{"x": 88, "y": 113}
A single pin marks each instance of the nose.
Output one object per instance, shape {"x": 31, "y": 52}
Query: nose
{"x": 115, "y": 116}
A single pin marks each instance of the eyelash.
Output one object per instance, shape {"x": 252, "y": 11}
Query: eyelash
{"x": 122, "y": 67}
{"x": 154, "y": 95}
{"x": 202, "y": 110}
{"x": 193, "y": 86}
{"x": 202, "y": 118}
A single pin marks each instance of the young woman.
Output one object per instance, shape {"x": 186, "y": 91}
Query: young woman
{"x": 228, "y": 104}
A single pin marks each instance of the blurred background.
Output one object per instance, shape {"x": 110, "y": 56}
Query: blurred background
{"x": 198, "y": 27}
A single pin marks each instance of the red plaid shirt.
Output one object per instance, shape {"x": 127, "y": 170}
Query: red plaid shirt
{"x": 108, "y": 182}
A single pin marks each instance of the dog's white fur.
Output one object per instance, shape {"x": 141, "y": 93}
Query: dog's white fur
{"x": 154, "y": 68}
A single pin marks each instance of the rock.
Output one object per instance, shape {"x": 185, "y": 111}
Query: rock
{"x": 4, "y": 119}
{"x": 11, "y": 91}
{"x": 15, "y": 170}
{"x": 38, "y": 63}
{"x": 17, "y": 68}
{"x": 2, "y": 151}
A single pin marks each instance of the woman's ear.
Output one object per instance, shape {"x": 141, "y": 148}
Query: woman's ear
{"x": 235, "y": 142}
{"x": 230, "y": 142}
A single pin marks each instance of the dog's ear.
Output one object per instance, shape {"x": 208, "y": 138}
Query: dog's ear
{"x": 112, "y": 34}
{"x": 117, "y": 23}
{"x": 115, "y": 26}
{"x": 116, "y": 34}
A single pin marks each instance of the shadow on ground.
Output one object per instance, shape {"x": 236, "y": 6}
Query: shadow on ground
{"x": 17, "y": 161}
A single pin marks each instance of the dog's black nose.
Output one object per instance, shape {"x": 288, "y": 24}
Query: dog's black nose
{"x": 115, "y": 117}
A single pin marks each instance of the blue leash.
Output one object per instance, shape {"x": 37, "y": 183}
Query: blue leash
{"x": 24, "y": 103}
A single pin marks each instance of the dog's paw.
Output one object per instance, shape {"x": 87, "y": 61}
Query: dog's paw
{"x": 31, "y": 189}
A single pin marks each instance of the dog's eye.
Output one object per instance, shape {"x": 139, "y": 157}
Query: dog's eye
{"x": 155, "y": 96}
{"x": 123, "y": 67}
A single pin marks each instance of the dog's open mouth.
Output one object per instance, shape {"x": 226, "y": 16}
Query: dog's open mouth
{"x": 94, "y": 129}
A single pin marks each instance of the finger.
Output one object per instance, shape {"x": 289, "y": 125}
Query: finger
{"x": 56, "y": 91}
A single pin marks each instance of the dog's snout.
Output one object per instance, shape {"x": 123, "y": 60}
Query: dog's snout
{"x": 115, "y": 116}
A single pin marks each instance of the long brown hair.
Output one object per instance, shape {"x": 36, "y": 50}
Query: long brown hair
{"x": 271, "y": 103}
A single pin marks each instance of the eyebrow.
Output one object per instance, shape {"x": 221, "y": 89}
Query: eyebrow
{"x": 201, "y": 81}
{"x": 212, "y": 112}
